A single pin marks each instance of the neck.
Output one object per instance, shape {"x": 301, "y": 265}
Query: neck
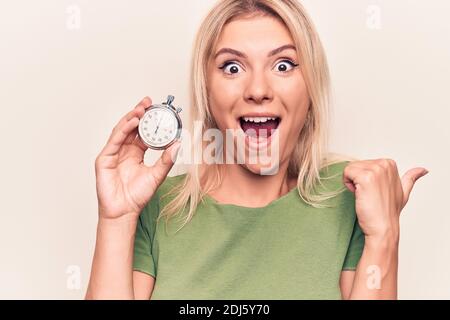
{"x": 242, "y": 187}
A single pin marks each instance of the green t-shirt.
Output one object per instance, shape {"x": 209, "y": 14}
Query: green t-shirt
{"x": 284, "y": 250}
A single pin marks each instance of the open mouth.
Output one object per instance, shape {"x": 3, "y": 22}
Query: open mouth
{"x": 262, "y": 126}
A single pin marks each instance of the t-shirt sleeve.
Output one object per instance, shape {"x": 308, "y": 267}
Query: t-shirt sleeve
{"x": 355, "y": 248}
{"x": 143, "y": 260}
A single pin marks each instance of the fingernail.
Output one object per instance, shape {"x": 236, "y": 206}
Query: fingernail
{"x": 424, "y": 172}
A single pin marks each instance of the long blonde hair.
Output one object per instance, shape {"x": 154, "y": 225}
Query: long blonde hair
{"x": 310, "y": 154}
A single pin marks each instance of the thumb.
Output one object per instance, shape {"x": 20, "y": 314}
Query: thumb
{"x": 165, "y": 162}
{"x": 409, "y": 179}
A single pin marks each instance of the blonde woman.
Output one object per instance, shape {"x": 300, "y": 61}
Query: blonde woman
{"x": 314, "y": 228}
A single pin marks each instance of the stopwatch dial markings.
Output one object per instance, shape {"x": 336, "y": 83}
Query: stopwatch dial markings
{"x": 159, "y": 127}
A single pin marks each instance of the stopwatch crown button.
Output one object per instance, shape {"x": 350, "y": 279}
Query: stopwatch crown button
{"x": 170, "y": 99}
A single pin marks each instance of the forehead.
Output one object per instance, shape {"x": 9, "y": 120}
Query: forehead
{"x": 260, "y": 33}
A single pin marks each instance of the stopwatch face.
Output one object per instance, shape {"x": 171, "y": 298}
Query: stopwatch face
{"x": 159, "y": 127}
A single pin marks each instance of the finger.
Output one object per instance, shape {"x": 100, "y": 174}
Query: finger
{"x": 138, "y": 143}
{"x": 134, "y": 149}
{"x": 409, "y": 179}
{"x": 118, "y": 137}
{"x": 131, "y": 137}
{"x": 138, "y": 111}
{"x": 146, "y": 102}
{"x": 365, "y": 164}
{"x": 351, "y": 176}
{"x": 162, "y": 167}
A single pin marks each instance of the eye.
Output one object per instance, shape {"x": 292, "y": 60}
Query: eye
{"x": 230, "y": 67}
{"x": 285, "y": 65}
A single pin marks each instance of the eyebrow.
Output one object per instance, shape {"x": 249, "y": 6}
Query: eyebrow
{"x": 242, "y": 55}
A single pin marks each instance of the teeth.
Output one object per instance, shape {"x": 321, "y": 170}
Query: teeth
{"x": 258, "y": 119}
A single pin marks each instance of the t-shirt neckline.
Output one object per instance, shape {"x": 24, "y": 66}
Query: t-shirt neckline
{"x": 279, "y": 200}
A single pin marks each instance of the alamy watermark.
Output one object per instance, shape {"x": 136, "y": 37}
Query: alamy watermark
{"x": 73, "y": 19}
{"x": 212, "y": 146}
{"x": 373, "y": 20}
{"x": 73, "y": 281}
{"x": 374, "y": 277}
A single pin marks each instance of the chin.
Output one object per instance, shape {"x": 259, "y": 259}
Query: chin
{"x": 262, "y": 169}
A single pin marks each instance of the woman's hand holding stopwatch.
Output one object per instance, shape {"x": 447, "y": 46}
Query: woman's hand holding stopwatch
{"x": 380, "y": 194}
{"x": 124, "y": 183}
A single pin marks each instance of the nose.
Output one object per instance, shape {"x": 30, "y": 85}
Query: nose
{"x": 258, "y": 89}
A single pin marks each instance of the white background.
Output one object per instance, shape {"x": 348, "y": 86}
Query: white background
{"x": 62, "y": 89}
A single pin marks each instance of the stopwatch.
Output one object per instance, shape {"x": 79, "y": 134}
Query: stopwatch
{"x": 161, "y": 125}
